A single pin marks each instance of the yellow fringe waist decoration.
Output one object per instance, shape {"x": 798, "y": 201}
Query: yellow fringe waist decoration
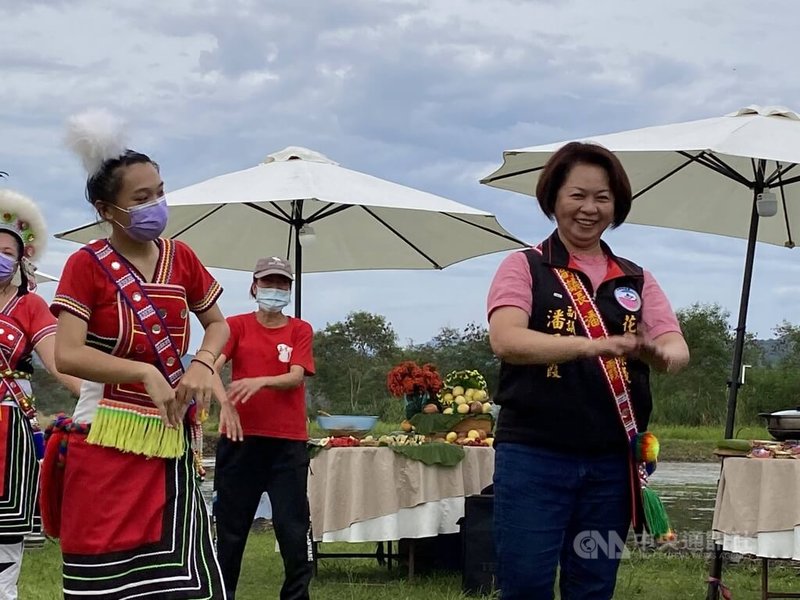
{"x": 135, "y": 429}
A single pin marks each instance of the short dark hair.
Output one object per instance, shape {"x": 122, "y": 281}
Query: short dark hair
{"x": 559, "y": 165}
{"x": 104, "y": 186}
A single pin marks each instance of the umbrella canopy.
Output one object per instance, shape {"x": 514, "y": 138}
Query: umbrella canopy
{"x": 696, "y": 176}
{"x": 45, "y": 278}
{"x": 302, "y": 205}
{"x": 710, "y": 176}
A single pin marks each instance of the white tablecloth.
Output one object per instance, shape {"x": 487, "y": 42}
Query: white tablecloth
{"x": 775, "y": 544}
{"x": 757, "y": 510}
{"x": 374, "y": 494}
{"x": 426, "y": 520}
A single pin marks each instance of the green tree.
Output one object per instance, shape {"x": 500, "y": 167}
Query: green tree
{"x": 454, "y": 349}
{"x": 788, "y": 344}
{"x": 51, "y": 397}
{"x": 774, "y": 386}
{"x": 697, "y": 395}
{"x": 353, "y": 357}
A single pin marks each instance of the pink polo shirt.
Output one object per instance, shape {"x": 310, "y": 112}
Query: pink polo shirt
{"x": 513, "y": 286}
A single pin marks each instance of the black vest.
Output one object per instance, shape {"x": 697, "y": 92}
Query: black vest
{"x": 568, "y": 407}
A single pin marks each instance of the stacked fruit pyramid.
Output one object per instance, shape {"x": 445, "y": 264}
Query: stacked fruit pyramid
{"x": 462, "y": 413}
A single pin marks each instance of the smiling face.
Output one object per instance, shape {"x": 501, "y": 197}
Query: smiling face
{"x": 584, "y": 207}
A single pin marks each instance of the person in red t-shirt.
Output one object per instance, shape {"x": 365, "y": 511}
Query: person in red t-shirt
{"x": 271, "y": 354}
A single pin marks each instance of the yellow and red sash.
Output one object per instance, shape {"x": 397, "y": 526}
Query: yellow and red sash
{"x": 613, "y": 369}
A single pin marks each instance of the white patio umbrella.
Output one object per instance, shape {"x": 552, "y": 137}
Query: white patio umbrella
{"x": 718, "y": 175}
{"x": 45, "y": 278}
{"x": 302, "y": 205}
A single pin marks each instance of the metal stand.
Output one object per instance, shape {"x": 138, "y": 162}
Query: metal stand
{"x": 715, "y": 570}
{"x": 765, "y": 593}
{"x": 384, "y": 555}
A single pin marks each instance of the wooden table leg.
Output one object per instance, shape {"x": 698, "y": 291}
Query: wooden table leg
{"x": 766, "y": 594}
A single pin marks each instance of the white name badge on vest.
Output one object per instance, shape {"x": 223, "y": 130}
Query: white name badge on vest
{"x": 628, "y": 298}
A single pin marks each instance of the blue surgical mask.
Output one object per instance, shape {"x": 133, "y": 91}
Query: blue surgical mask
{"x": 148, "y": 221}
{"x": 8, "y": 266}
{"x": 272, "y": 299}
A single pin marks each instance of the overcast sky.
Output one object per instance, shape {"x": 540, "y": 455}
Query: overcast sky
{"x": 426, "y": 93}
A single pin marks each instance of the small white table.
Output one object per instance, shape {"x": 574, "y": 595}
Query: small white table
{"x": 757, "y": 512}
{"x": 369, "y": 494}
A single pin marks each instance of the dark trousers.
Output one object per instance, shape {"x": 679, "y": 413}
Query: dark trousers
{"x": 552, "y": 509}
{"x": 243, "y": 471}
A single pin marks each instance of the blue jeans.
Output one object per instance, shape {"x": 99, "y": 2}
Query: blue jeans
{"x": 554, "y": 509}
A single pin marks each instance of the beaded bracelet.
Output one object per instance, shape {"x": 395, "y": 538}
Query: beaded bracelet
{"x": 205, "y": 364}
{"x": 213, "y": 356}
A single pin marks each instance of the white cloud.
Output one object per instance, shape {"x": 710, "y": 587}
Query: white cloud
{"x": 426, "y": 93}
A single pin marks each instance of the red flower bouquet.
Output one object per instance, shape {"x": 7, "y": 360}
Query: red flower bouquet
{"x": 408, "y": 378}
{"x": 419, "y": 385}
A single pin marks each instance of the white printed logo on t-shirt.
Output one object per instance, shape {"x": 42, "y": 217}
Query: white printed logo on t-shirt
{"x": 284, "y": 353}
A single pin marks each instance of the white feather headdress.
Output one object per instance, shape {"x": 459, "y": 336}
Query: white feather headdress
{"x": 20, "y": 216}
{"x": 96, "y": 136}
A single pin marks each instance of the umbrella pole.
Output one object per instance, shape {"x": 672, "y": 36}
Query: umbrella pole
{"x": 298, "y": 272}
{"x": 735, "y": 381}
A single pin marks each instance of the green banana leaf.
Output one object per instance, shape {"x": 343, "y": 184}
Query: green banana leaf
{"x": 435, "y": 453}
{"x": 427, "y": 423}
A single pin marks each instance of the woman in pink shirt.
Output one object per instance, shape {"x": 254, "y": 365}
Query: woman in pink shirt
{"x": 577, "y": 329}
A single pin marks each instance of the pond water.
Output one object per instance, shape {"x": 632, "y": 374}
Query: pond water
{"x": 688, "y": 491}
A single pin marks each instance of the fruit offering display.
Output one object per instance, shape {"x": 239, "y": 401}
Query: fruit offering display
{"x": 473, "y": 437}
{"x": 462, "y": 408}
{"x": 396, "y": 439}
{"x": 464, "y": 392}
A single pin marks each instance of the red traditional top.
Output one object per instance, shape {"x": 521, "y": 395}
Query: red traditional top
{"x": 180, "y": 284}
{"x": 30, "y": 315}
{"x": 24, "y": 322}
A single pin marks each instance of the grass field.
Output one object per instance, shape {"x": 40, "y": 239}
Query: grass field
{"x": 696, "y": 444}
{"x": 651, "y": 576}
{"x": 643, "y": 576}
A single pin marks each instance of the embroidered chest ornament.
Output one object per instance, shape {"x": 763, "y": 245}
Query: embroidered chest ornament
{"x": 133, "y": 427}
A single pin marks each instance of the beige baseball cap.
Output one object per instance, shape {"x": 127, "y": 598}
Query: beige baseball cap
{"x": 273, "y": 265}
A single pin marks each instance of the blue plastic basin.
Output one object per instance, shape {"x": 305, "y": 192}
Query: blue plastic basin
{"x": 347, "y": 424}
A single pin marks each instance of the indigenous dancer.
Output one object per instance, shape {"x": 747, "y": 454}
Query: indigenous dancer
{"x": 119, "y": 481}
{"x": 26, "y": 326}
